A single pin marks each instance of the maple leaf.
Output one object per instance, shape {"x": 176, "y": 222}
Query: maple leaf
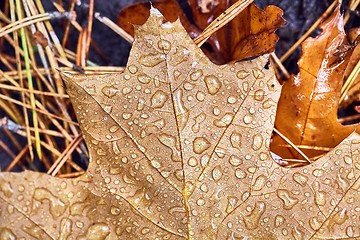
{"x": 251, "y": 33}
{"x": 307, "y": 109}
{"x": 180, "y": 150}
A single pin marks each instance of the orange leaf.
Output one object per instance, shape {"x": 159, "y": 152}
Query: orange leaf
{"x": 307, "y": 110}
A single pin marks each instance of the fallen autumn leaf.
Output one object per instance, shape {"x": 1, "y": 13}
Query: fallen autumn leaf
{"x": 307, "y": 109}
{"x": 180, "y": 150}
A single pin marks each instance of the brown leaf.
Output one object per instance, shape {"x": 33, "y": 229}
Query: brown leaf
{"x": 307, "y": 110}
{"x": 251, "y": 33}
{"x": 179, "y": 150}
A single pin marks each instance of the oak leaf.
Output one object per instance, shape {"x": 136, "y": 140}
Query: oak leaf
{"x": 308, "y": 105}
{"x": 250, "y": 34}
{"x": 180, "y": 150}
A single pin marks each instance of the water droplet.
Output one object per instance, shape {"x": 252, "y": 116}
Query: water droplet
{"x": 196, "y": 75}
{"x": 216, "y": 111}
{"x": 57, "y": 207}
{"x": 259, "y": 95}
{"x": 297, "y": 234}
{"x": 182, "y": 114}
{"x": 109, "y": 91}
{"x": 239, "y": 173}
{"x": 318, "y": 172}
{"x": 114, "y": 210}
{"x": 126, "y": 90}
{"x": 279, "y": 220}
{"x": 150, "y": 179}
{"x": 164, "y": 45}
{"x": 33, "y": 230}
{"x": 198, "y": 119}
{"x": 159, "y": 123}
{"x": 155, "y": 164}
{"x": 350, "y": 231}
{"x": 126, "y": 116}
{"x": 257, "y": 141}
{"x": 200, "y": 145}
{"x": 235, "y": 140}
{"x": 65, "y": 226}
{"x": 268, "y": 104}
{"x": 200, "y": 96}
{"x": 213, "y": 84}
{"x": 320, "y": 196}
{"x": 124, "y": 159}
{"x": 177, "y": 209}
{"x": 180, "y": 55}
{"x": 152, "y": 59}
{"x": 287, "y": 198}
{"x": 192, "y": 162}
{"x": 263, "y": 156}
{"x": 188, "y": 86}
{"x": 224, "y": 121}
{"x": 232, "y": 201}
{"x": 6, "y": 188}
{"x": 133, "y": 69}
{"x": 220, "y": 152}
{"x": 259, "y": 182}
{"x": 158, "y": 99}
{"x": 200, "y": 202}
{"x": 242, "y": 74}
{"x": 251, "y": 170}
{"x": 252, "y": 220}
{"x": 145, "y": 79}
{"x": 231, "y": 99}
{"x": 300, "y": 179}
{"x": 98, "y": 231}
{"x": 338, "y": 218}
{"x": 248, "y": 119}
{"x": 21, "y": 188}
{"x": 107, "y": 180}
{"x": 235, "y": 161}
{"x": 204, "y": 187}
{"x": 177, "y": 74}
{"x": 217, "y": 173}
{"x": 257, "y": 73}
{"x": 343, "y": 183}
{"x": 348, "y": 159}
{"x": 314, "y": 223}
{"x": 245, "y": 86}
{"x": 7, "y": 234}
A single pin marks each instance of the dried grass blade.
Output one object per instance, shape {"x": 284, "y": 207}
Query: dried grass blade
{"x": 292, "y": 145}
{"x": 349, "y": 81}
{"x": 64, "y": 156}
{"x": 222, "y": 20}
{"x": 30, "y": 81}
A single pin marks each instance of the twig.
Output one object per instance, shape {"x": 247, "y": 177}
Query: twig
{"x": 106, "y": 21}
{"x": 222, "y": 20}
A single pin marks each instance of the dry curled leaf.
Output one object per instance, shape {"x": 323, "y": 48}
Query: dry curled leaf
{"x": 307, "y": 109}
{"x": 251, "y": 33}
{"x": 179, "y": 150}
